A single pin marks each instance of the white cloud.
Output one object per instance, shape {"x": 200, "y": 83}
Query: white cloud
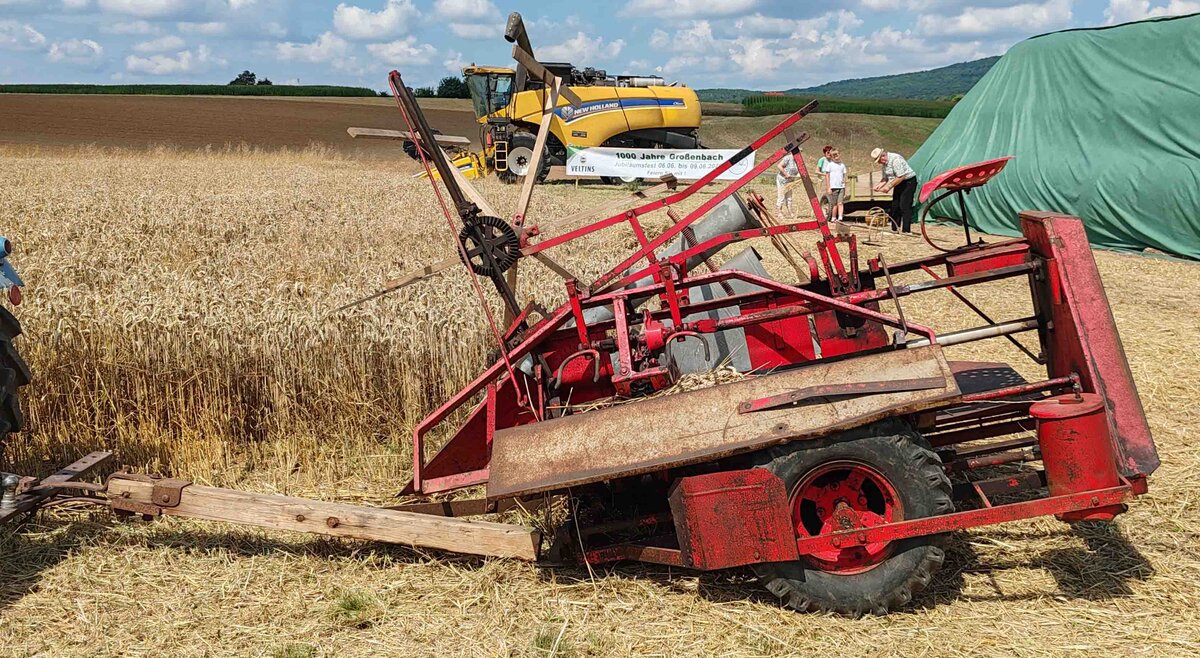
{"x": 810, "y": 28}
{"x": 160, "y": 45}
{"x": 1028, "y": 17}
{"x": 75, "y": 5}
{"x": 20, "y": 36}
{"x": 363, "y": 24}
{"x": 471, "y": 19}
{"x": 130, "y": 27}
{"x": 76, "y": 51}
{"x": 477, "y": 31}
{"x": 241, "y": 4}
{"x": 465, "y": 10}
{"x": 581, "y": 49}
{"x": 1124, "y": 11}
{"x": 328, "y": 47}
{"x": 143, "y": 8}
{"x": 686, "y": 8}
{"x": 209, "y": 28}
{"x": 403, "y": 52}
{"x": 186, "y": 61}
{"x": 454, "y": 62}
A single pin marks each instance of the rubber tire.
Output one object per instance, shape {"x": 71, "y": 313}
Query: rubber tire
{"x": 904, "y": 457}
{"x": 527, "y": 140}
{"x": 410, "y": 147}
{"x": 14, "y": 373}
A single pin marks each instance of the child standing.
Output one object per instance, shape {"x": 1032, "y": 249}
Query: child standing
{"x": 835, "y": 185}
{"x": 821, "y": 162}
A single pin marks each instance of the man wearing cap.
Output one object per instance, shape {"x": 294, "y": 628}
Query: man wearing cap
{"x": 901, "y": 181}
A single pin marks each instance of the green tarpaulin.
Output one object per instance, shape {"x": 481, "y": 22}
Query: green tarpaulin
{"x": 1104, "y": 124}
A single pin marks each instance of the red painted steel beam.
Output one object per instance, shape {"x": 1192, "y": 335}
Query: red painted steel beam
{"x": 678, "y": 196}
{"x": 1023, "y": 389}
{"x": 970, "y": 519}
{"x": 636, "y": 553}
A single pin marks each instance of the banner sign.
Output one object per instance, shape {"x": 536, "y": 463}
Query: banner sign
{"x": 685, "y": 164}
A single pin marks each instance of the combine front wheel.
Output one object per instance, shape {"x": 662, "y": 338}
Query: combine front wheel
{"x": 520, "y": 157}
{"x": 878, "y": 474}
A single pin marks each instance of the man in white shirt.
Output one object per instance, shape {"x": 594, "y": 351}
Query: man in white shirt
{"x": 901, "y": 181}
{"x": 835, "y": 185}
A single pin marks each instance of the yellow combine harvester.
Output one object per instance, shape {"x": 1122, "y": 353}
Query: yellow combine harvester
{"x": 631, "y": 111}
{"x": 608, "y": 110}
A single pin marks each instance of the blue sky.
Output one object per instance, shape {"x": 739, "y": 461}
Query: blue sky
{"x": 704, "y": 43}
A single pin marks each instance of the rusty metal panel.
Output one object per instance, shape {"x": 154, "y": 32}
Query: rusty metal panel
{"x": 697, "y": 426}
{"x": 732, "y": 518}
{"x": 1085, "y": 339}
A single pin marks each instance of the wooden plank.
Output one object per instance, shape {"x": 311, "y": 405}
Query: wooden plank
{"x": 469, "y": 190}
{"x": 383, "y": 133}
{"x": 539, "y": 146}
{"x": 540, "y": 72}
{"x": 341, "y": 520}
{"x": 704, "y": 425}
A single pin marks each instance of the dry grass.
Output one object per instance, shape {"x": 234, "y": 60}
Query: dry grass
{"x": 177, "y": 312}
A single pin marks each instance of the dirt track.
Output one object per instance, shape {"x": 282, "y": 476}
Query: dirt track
{"x": 199, "y": 121}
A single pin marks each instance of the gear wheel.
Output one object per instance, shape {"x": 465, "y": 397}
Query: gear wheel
{"x": 489, "y": 235}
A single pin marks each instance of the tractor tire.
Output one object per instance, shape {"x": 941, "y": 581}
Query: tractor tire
{"x": 619, "y": 180}
{"x": 898, "y": 477}
{"x": 410, "y": 147}
{"x": 14, "y": 374}
{"x": 826, "y": 205}
{"x": 520, "y": 153}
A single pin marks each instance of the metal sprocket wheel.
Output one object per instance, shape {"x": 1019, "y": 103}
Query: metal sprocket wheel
{"x": 484, "y": 236}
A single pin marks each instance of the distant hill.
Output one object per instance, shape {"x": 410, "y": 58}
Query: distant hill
{"x": 945, "y": 82}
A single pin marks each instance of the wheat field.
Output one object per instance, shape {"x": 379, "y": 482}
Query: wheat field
{"x": 179, "y": 311}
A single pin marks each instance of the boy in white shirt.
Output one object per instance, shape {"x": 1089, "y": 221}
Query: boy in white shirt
{"x": 835, "y": 185}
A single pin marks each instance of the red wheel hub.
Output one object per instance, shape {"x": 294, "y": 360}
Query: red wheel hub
{"x": 844, "y": 495}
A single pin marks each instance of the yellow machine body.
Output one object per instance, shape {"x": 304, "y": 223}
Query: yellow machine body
{"x": 615, "y": 111}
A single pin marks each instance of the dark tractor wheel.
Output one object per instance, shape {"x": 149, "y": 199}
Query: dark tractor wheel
{"x": 410, "y": 147}
{"x": 878, "y": 474}
{"x": 520, "y": 157}
{"x": 13, "y": 375}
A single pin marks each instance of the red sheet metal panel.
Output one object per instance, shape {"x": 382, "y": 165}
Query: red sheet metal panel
{"x": 1084, "y": 337}
{"x": 732, "y": 518}
{"x": 991, "y": 258}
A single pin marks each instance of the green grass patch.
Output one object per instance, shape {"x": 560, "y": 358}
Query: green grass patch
{"x": 768, "y": 105}
{"x": 192, "y": 90}
{"x": 356, "y": 609}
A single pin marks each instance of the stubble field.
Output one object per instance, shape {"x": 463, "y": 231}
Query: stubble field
{"x": 179, "y": 311}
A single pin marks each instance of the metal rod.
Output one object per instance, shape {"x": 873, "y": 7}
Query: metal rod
{"x": 979, "y": 333}
{"x": 1071, "y": 380}
{"x": 978, "y": 311}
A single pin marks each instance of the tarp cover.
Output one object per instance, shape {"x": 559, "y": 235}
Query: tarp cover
{"x": 1104, "y": 124}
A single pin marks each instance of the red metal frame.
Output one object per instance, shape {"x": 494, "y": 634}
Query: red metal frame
{"x": 622, "y": 356}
